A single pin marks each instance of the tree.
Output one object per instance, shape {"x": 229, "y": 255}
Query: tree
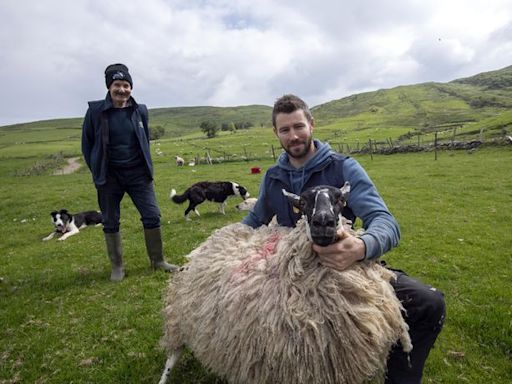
{"x": 209, "y": 128}
{"x": 156, "y": 132}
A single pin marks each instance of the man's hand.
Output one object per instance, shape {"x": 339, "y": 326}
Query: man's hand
{"x": 340, "y": 255}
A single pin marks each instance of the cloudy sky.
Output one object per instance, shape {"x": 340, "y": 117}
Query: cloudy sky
{"x": 228, "y": 52}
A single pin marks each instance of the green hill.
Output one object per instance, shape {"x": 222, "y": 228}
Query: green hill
{"x": 478, "y": 105}
{"x": 470, "y": 104}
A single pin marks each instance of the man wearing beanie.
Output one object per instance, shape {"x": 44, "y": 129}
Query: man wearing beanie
{"x": 115, "y": 145}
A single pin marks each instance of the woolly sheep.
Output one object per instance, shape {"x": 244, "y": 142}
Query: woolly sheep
{"x": 256, "y": 306}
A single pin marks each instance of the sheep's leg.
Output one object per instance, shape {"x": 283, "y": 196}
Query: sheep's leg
{"x": 169, "y": 364}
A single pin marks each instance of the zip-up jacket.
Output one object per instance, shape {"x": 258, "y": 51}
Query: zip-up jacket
{"x": 327, "y": 167}
{"x": 95, "y": 136}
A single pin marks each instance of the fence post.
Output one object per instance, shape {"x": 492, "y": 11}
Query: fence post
{"x": 273, "y": 152}
{"x": 435, "y": 146}
{"x": 371, "y": 149}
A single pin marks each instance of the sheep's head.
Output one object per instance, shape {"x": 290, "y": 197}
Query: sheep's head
{"x": 322, "y": 206}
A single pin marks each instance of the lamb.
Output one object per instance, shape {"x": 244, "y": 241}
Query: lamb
{"x": 180, "y": 161}
{"x": 256, "y": 306}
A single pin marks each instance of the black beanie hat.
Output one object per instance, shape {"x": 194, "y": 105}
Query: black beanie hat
{"x": 117, "y": 72}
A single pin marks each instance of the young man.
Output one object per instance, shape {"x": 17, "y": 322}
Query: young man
{"x": 115, "y": 145}
{"x": 306, "y": 163}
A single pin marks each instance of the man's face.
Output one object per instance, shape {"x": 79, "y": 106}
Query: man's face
{"x": 120, "y": 91}
{"x": 295, "y": 133}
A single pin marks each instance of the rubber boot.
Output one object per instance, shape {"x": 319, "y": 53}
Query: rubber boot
{"x": 153, "y": 238}
{"x": 115, "y": 254}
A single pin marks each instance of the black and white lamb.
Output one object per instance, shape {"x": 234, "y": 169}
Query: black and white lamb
{"x": 256, "y": 306}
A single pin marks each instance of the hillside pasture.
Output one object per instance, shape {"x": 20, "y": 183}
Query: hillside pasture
{"x": 64, "y": 321}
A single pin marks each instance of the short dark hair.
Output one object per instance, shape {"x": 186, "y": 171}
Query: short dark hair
{"x": 288, "y": 104}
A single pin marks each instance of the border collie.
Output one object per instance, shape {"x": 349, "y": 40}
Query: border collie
{"x": 216, "y": 191}
{"x": 70, "y": 224}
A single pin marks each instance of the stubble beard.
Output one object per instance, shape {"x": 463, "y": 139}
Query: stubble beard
{"x": 303, "y": 153}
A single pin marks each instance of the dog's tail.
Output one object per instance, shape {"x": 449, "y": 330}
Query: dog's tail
{"x": 178, "y": 199}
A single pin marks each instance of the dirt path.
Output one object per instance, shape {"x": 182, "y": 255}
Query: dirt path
{"x": 72, "y": 166}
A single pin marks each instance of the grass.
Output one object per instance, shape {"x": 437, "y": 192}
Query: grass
{"x": 64, "y": 322}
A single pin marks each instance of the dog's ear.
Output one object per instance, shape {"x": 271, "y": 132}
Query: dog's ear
{"x": 64, "y": 211}
{"x": 53, "y": 213}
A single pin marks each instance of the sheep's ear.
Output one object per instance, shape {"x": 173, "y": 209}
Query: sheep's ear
{"x": 345, "y": 191}
{"x": 293, "y": 198}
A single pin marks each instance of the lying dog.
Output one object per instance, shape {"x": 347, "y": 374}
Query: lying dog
{"x": 70, "y": 224}
{"x": 217, "y": 191}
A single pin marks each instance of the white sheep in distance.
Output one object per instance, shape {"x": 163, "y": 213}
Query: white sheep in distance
{"x": 180, "y": 161}
{"x": 256, "y": 306}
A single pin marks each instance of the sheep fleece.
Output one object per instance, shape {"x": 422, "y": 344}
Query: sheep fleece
{"x": 256, "y": 306}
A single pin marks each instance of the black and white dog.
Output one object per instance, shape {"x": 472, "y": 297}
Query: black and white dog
{"x": 216, "y": 191}
{"x": 70, "y": 224}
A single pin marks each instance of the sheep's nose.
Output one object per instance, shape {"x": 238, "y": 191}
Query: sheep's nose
{"x": 323, "y": 221}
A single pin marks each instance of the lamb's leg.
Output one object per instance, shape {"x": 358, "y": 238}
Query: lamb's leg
{"x": 169, "y": 364}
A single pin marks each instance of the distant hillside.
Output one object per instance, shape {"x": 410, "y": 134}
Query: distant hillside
{"x": 481, "y": 103}
{"x": 176, "y": 121}
{"x": 183, "y": 120}
{"x": 469, "y": 103}
{"x": 501, "y": 79}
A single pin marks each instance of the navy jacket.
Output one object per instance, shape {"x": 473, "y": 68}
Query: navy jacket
{"x": 95, "y": 136}
{"x": 327, "y": 167}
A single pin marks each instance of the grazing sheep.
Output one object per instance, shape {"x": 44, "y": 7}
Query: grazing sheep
{"x": 180, "y": 161}
{"x": 256, "y": 305}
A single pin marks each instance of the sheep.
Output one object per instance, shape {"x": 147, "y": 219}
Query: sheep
{"x": 180, "y": 161}
{"x": 256, "y": 306}
{"x": 247, "y": 204}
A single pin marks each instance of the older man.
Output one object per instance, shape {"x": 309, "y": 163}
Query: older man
{"x": 115, "y": 145}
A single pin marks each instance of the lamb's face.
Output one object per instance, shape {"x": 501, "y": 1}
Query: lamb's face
{"x": 322, "y": 206}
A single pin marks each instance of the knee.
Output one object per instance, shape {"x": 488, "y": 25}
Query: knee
{"x": 151, "y": 222}
{"x": 434, "y": 308}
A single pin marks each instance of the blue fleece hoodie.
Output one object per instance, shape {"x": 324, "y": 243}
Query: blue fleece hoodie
{"x": 327, "y": 167}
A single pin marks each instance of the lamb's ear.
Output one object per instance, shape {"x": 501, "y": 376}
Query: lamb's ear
{"x": 345, "y": 191}
{"x": 292, "y": 198}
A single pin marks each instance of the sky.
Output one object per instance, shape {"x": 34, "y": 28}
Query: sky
{"x": 228, "y": 53}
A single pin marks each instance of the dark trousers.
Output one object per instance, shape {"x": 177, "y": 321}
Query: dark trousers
{"x": 424, "y": 313}
{"x": 136, "y": 182}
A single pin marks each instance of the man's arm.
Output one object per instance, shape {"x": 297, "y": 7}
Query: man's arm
{"x": 87, "y": 137}
{"x": 382, "y": 232}
{"x": 260, "y": 214}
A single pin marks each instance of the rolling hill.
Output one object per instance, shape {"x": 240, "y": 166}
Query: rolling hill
{"x": 475, "y": 105}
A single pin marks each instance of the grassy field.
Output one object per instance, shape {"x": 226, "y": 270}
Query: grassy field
{"x": 64, "y": 322}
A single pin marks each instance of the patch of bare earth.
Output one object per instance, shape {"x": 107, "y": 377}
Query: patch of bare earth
{"x": 72, "y": 166}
